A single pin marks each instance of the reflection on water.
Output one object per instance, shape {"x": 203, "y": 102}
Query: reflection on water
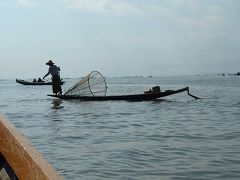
{"x": 57, "y": 104}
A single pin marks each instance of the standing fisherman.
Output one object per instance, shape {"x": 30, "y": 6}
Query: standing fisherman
{"x": 56, "y": 81}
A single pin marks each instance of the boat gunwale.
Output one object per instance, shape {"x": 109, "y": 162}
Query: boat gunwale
{"x": 24, "y": 159}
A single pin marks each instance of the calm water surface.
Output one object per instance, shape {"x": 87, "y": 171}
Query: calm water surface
{"x": 173, "y": 138}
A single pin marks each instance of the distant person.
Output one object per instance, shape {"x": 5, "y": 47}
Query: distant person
{"x": 40, "y": 80}
{"x": 56, "y": 81}
{"x": 34, "y": 80}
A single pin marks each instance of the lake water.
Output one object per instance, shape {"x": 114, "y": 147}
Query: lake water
{"x": 173, "y": 138}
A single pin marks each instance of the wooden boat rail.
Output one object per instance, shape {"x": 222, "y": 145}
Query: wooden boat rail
{"x": 18, "y": 155}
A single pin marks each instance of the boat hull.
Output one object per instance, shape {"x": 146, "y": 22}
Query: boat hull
{"x": 23, "y": 82}
{"x": 19, "y": 159}
{"x": 134, "y": 97}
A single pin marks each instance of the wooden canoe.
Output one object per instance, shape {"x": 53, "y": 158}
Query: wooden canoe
{"x": 19, "y": 159}
{"x": 23, "y": 82}
{"x": 133, "y": 97}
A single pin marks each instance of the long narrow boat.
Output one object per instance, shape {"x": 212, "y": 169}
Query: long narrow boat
{"x": 133, "y": 97}
{"x": 20, "y": 81}
{"x": 19, "y": 159}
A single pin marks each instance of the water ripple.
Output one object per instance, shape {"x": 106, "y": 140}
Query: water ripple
{"x": 174, "y": 138}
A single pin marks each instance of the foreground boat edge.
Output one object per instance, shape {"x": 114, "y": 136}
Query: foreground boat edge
{"x": 22, "y": 157}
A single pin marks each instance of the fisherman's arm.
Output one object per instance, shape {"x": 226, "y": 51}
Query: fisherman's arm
{"x": 49, "y": 71}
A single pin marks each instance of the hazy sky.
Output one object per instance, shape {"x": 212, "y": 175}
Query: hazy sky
{"x": 119, "y": 37}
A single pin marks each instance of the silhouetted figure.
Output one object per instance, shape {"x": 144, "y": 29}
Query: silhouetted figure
{"x": 40, "y": 80}
{"x": 54, "y": 71}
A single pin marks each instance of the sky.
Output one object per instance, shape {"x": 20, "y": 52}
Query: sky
{"x": 119, "y": 37}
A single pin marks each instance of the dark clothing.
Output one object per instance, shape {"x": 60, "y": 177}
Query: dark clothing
{"x": 56, "y": 81}
{"x": 53, "y": 69}
{"x": 56, "y": 87}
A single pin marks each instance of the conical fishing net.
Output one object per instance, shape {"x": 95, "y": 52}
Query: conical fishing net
{"x": 93, "y": 84}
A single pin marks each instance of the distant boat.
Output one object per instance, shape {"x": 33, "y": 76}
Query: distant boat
{"x": 93, "y": 87}
{"x": 134, "y": 97}
{"x": 23, "y": 82}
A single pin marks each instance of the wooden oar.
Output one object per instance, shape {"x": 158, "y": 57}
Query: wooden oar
{"x": 195, "y": 97}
